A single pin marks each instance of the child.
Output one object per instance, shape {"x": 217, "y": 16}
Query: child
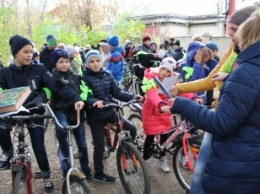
{"x": 155, "y": 122}
{"x": 195, "y": 66}
{"x": 104, "y": 88}
{"x": 65, "y": 112}
{"x": 116, "y": 62}
{"x": 23, "y": 73}
{"x": 73, "y": 54}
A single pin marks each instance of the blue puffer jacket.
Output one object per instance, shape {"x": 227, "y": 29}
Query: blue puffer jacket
{"x": 234, "y": 165}
{"x": 103, "y": 88}
{"x": 115, "y": 64}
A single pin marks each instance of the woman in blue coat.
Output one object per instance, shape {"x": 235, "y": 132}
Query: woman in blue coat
{"x": 234, "y": 165}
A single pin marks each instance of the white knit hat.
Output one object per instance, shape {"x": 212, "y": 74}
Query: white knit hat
{"x": 168, "y": 63}
{"x": 70, "y": 49}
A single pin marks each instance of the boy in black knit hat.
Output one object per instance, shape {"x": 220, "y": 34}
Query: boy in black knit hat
{"x": 23, "y": 73}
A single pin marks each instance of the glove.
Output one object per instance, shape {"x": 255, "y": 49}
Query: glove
{"x": 36, "y": 103}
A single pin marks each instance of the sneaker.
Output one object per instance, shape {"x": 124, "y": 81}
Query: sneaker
{"x": 183, "y": 162}
{"x": 89, "y": 177}
{"x": 104, "y": 178}
{"x": 4, "y": 161}
{"x": 162, "y": 162}
{"x": 48, "y": 185}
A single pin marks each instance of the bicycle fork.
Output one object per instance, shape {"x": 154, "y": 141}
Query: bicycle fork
{"x": 19, "y": 167}
{"x": 185, "y": 138}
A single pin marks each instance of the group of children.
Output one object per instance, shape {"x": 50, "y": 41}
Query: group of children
{"x": 67, "y": 90}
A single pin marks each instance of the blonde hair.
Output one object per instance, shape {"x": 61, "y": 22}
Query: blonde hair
{"x": 249, "y": 32}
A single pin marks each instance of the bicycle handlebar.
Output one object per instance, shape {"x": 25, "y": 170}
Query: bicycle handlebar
{"x": 111, "y": 104}
{"x": 46, "y": 116}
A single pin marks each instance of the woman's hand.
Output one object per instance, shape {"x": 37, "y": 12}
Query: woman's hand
{"x": 79, "y": 104}
{"x": 173, "y": 91}
{"x": 219, "y": 76}
{"x": 99, "y": 104}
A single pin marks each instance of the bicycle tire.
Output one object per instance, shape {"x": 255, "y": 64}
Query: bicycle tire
{"x": 132, "y": 170}
{"x": 136, "y": 119}
{"x": 77, "y": 186}
{"x": 20, "y": 180}
{"x": 184, "y": 174}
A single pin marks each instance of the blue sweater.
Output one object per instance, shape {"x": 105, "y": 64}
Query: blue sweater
{"x": 234, "y": 165}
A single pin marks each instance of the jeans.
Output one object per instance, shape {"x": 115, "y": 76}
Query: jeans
{"x": 198, "y": 174}
{"x": 79, "y": 135}
{"x": 37, "y": 141}
{"x": 98, "y": 134}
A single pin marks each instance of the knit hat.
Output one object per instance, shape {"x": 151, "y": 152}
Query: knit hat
{"x": 92, "y": 53}
{"x": 241, "y": 15}
{"x": 176, "y": 42}
{"x": 113, "y": 41}
{"x": 146, "y": 38}
{"x": 103, "y": 42}
{"x": 168, "y": 63}
{"x": 51, "y": 40}
{"x": 70, "y": 49}
{"x": 17, "y": 43}
{"x": 57, "y": 54}
{"x": 212, "y": 46}
{"x": 151, "y": 43}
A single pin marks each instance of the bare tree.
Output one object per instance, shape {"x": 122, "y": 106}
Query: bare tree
{"x": 220, "y": 7}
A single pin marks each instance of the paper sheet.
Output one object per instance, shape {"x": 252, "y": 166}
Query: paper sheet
{"x": 169, "y": 82}
{"x": 161, "y": 53}
{"x": 21, "y": 109}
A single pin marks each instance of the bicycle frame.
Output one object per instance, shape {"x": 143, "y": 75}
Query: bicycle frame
{"x": 73, "y": 170}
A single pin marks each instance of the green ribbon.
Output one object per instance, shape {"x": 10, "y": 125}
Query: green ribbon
{"x": 189, "y": 72}
{"x": 84, "y": 91}
{"x": 147, "y": 84}
{"x": 47, "y": 92}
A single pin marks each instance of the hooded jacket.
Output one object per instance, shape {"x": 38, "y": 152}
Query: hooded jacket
{"x": 115, "y": 63}
{"x": 103, "y": 88}
{"x": 234, "y": 164}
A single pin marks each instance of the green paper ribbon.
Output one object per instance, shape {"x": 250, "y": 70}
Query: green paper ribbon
{"x": 84, "y": 91}
{"x": 147, "y": 84}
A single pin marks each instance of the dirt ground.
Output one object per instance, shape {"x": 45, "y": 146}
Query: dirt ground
{"x": 161, "y": 182}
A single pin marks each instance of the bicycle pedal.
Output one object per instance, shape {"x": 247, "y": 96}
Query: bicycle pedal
{"x": 37, "y": 175}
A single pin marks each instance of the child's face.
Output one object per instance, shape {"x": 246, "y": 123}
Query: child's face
{"x": 74, "y": 55}
{"x": 94, "y": 64}
{"x": 62, "y": 64}
{"x": 164, "y": 72}
{"x": 24, "y": 56}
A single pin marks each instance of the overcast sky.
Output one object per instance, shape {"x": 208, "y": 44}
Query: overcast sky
{"x": 183, "y": 7}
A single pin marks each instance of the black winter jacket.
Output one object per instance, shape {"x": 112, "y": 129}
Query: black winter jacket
{"x": 71, "y": 80}
{"x": 104, "y": 87}
{"x": 37, "y": 77}
{"x": 45, "y": 58}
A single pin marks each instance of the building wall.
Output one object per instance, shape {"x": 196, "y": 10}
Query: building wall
{"x": 222, "y": 42}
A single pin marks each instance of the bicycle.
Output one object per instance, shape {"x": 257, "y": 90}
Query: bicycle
{"x": 132, "y": 170}
{"x": 21, "y": 161}
{"x": 75, "y": 182}
{"x": 181, "y": 144}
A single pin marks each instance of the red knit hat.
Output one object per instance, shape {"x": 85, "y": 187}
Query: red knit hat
{"x": 145, "y": 38}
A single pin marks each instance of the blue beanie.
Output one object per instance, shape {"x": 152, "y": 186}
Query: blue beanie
{"x": 92, "y": 53}
{"x": 212, "y": 46}
{"x": 57, "y": 54}
{"x": 51, "y": 40}
{"x": 113, "y": 41}
{"x": 17, "y": 43}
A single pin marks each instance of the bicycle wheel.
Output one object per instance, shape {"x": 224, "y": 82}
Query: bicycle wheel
{"x": 20, "y": 184}
{"x": 77, "y": 186}
{"x": 181, "y": 170}
{"x": 132, "y": 169}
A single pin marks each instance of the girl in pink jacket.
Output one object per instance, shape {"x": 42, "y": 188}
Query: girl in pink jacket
{"x": 154, "y": 120}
